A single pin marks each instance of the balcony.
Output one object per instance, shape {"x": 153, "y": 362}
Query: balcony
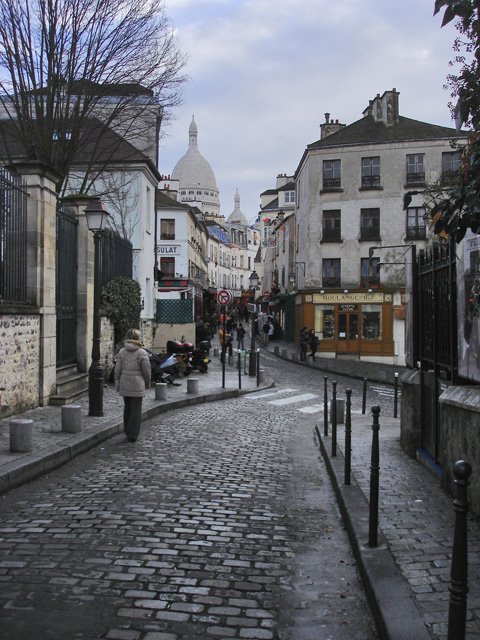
{"x": 331, "y": 283}
{"x": 416, "y": 233}
{"x": 417, "y": 178}
{"x": 370, "y": 233}
{"x": 331, "y": 235}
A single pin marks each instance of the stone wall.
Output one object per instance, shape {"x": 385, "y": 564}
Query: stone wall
{"x": 19, "y": 361}
{"x": 460, "y": 429}
{"x": 107, "y": 346}
{"x": 410, "y": 412}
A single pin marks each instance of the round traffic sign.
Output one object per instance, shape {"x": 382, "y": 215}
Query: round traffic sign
{"x": 224, "y": 297}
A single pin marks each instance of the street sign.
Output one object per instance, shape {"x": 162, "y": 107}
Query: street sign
{"x": 224, "y": 297}
{"x": 266, "y": 294}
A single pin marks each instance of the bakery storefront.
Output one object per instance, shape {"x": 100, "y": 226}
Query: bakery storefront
{"x": 352, "y": 324}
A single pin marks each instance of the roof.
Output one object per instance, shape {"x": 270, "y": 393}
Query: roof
{"x": 368, "y": 131}
{"x": 290, "y": 186}
{"x": 162, "y": 200}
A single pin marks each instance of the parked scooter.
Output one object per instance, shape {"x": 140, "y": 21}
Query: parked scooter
{"x": 179, "y": 349}
{"x": 199, "y": 358}
{"x": 165, "y": 367}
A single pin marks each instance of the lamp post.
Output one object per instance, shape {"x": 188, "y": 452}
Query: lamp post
{"x": 96, "y": 215}
{"x": 252, "y": 363}
{"x": 292, "y": 276}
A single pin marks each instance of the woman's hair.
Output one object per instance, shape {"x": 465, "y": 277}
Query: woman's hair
{"x": 133, "y": 334}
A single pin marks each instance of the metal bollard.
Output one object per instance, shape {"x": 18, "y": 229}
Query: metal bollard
{"x": 258, "y": 367}
{"x": 239, "y": 369}
{"x": 333, "y": 411}
{"x": 325, "y": 406}
{"x": 395, "y": 398}
{"x": 457, "y": 610}
{"x": 364, "y": 398}
{"x": 348, "y": 437}
{"x": 374, "y": 474}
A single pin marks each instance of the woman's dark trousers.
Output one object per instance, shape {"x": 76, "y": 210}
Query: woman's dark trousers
{"x": 132, "y": 416}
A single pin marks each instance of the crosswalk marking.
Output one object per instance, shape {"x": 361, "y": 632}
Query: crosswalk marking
{"x": 313, "y": 408}
{"x": 271, "y": 393}
{"x": 300, "y": 398}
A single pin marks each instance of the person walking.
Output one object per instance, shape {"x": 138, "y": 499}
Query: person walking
{"x": 225, "y": 342}
{"x": 132, "y": 376}
{"x": 303, "y": 343}
{"x": 240, "y": 337}
{"x": 313, "y": 341}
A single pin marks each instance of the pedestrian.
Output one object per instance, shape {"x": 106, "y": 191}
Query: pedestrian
{"x": 132, "y": 376}
{"x": 266, "y": 329}
{"x": 225, "y": 342}
{"x": 240, "y": 337}
{"x": 313, "y": 341}
{"x": 303, "y": 343}
{"x": 271, "y": 330}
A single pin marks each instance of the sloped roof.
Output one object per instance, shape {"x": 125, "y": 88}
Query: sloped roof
{"x": 368, "y": 131}
{"x": 163, "y": 200}
{"x": 290, "y": 186}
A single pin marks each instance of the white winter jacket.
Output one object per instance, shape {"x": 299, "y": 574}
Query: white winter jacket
{"x": 132, "y": 370}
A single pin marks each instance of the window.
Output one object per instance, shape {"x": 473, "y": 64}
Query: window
{"x": 371, "y": 322}
{"x": 370, "y": 276}
{"x": 450, "y": 166}
{"x": 416, "y": 224}
{"x": 370, "y": 224}
{"x": 416, "y": 169}
{"x": 167, "y": 229}
{"x": 167, "y": 266}
{"x": 370, "y": 172}
{"x": 331, "y": 174}
{"x": 331, "y": 272}
{"x": 324, "y": 322}
{"x": 289, "y": 196}
{"x": 331, "y": 226}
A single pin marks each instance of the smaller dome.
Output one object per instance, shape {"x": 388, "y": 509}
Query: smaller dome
{"x": 237, "y": 217}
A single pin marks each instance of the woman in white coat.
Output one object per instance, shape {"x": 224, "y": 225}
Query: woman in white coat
{"x": 133, "y": 377}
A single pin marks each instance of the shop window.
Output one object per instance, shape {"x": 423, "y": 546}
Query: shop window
{"x": 371, "y": 322}
{"x": 324, "y": 322}
{"x": 167, "y": 229}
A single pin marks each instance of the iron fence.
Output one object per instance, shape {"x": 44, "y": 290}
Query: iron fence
{"x": 13, "y": 238}
{"x": 116, "y": 257}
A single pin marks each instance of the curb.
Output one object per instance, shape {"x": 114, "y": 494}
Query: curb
{"x": 19, "y": 472}
{"x": 391, "y": 601}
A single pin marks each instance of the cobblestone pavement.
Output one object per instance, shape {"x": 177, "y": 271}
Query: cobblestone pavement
{"x": 219, "y": 522}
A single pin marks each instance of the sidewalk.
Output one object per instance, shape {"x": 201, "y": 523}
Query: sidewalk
{"x": 54, "y": 447}
{"x": 406, "y": 577}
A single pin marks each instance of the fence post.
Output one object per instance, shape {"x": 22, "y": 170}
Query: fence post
{"x": 364, "y": 398}
{"x": 333, "y": 413}
{"x": 258, "y": 367}
{"x": 395, "y": 399}
{"x": 348, "y": 436}
{"x": 374, "y": 474}
{"x": 325, "y": 406}
{"x": 457, "y": 611}
{"x": 239, "y": 369}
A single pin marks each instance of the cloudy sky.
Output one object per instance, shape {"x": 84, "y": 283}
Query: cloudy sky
{"x": 264, "y": 72}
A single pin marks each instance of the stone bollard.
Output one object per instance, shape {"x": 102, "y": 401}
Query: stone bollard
{"x": 216, "y": 352}
{"x": 21, "y": 435}
{"x": 294, "y": 357}
{"x": 230, "y": 359}
{"x": 192, "y": 385}
{"x": 340, "y": 411}
{"x": 161, "y": 391}
{"x": 262, "y": 375}
{"x": 71, "y": 418}
{"x": 276, "y": 350}
{"x": 285, "y": 353}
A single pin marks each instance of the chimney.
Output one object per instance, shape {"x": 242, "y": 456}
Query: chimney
{"x": 329, "y": 127}
{"x": 384, "y": 108}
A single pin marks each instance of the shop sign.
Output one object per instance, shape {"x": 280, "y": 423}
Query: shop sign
{"x": 345, "y": 298}
{"x": 168, "y": 249}
{"x": 348, "y": 307}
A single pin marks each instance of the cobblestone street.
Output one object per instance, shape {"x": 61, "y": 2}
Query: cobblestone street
{"x": 220, "y": 522}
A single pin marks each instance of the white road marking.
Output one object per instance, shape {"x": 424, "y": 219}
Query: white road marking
{"x": 314, "y": 408}
{"x": 271, "y": 393}
{"x": 293, "y": 399}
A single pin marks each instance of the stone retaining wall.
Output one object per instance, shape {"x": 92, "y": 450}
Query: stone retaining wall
{"x": 19, "y": 361}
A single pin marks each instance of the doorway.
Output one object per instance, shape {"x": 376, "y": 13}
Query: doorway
{"x": 348, "y": 342}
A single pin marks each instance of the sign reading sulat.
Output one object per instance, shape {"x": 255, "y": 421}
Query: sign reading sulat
{"x": 347, "y": 298}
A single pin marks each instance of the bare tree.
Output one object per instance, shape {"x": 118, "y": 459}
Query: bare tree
{"x": 73, "y": 73}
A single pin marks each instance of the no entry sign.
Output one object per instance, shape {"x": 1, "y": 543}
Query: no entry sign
{"x": 224, "y": 297}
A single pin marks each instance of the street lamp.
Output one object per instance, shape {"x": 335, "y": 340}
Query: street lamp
{"x": 252, "y": 363}
{"x": 97, "y": 216}
{"x": 292, "y": 276}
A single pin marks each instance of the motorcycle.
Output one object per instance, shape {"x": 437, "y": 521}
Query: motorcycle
{"x": 199, "y": 358}
{"x": 164, "y": 366}
{"x": 180, "y": 351}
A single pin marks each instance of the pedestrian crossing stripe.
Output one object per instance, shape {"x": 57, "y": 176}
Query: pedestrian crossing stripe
{"x": 300, "y": 398}
{"x": 313, "y": 408}
{"x": 270, "y": 394}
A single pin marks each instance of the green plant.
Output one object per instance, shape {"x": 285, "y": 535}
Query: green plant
{"x": 121, "y": 301}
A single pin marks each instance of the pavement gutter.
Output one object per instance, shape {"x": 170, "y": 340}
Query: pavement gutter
{"x": 38, "y": 463}
{"x": 390, "y": 599}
